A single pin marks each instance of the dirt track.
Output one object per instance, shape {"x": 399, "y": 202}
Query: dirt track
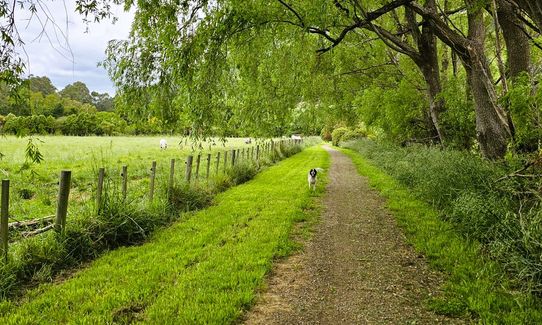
{"x": 357, "y": 268}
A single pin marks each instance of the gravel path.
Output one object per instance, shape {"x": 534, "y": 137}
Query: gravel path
{"x": 356, "y": 269}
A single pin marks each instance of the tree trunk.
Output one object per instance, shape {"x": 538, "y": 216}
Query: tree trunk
{"x": 533, "y": 8}
{"x": 492, "y": 128}
{"x": 428, "y": 50}
{"x": 517, "y": 43}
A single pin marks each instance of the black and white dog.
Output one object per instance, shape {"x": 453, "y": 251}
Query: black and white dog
{"x": 312, "y": 179}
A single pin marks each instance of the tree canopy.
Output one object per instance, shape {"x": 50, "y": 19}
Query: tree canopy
{"x": 460, "y": 73}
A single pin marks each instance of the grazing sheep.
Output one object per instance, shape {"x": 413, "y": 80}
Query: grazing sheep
{"x": 163, "y": 144}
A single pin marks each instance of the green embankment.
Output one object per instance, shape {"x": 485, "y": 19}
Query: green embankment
{"x": 475, "y": 286}
{"x": 204, "y": 269}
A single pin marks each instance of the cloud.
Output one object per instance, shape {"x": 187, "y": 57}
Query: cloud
{"x": 59, "y": 45}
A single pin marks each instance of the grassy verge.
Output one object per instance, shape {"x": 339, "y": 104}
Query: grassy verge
{"x": 204, "y": 269}
{"x": 118, "y": 223}
{"x": 475, "y": 286}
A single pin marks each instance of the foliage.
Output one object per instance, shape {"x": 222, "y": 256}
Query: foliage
{"x": 325, "y": 134}
{"x": 77, "y": 91}
{"x": 26, "y": 125}
{"x": 345, "y": 134}
{"x": 337, "y": 134}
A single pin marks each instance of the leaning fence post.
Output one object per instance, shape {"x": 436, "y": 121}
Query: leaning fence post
{"x": 217, "y": 162}
{"x": 153, "y": 176}
{"x": 4, "y": 215}
{"x": 208, "y": 165}
{"x": 198, "y": 160}
{"x": 124, "y": 181}
{"x": 99, "y": 188}
{"x": 233, "y": 157}
{"x": 188, "y": 173}
{"x": 171, "y": 176}
{"x": 63, "y": 197}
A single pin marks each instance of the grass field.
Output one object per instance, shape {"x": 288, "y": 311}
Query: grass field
{"x": 34, "y": 187}
{"x": 204, "y": 269}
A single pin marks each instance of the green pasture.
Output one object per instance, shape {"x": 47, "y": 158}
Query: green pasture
{"x": 204, "y": 269}
{"x": 34, "y": 186}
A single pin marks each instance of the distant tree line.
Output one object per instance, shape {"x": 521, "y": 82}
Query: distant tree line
{"x": 36, "y": 107}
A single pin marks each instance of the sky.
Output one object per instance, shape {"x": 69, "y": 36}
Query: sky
{"x": 70, "y": 51}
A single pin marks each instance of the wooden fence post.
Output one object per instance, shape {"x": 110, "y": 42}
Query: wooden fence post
{"x": 208, "y": 165}
{"x": 233, "y": 157}
{"x": 153, "y": 176}
{"x": 257, "y": 152}
{"x": 99, "y": 188}
{"x": 238, "y": 154}
{"x": 225, "y": 160}
{"x": 188, "y": 173}
{"x": 63, "y": 197}
{"x": 4, "y": 215}
{"x": 124, "y": 181}
{"x": 198, "y": 160}
{"x": 171, "y": 177}
{"x": 217, "y": 162}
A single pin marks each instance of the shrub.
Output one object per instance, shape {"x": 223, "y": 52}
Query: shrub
{"x": 337, "y": 134}
{"x": 325, "y": 134}
{"x": 354, "y": 134}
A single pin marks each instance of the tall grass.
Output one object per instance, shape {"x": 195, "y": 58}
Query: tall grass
{"x": 503, "y": 213}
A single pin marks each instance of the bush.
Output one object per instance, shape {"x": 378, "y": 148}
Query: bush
{"x": 354, "y": 134}
{"x": 34, "y": 124}
{"x": 337, "y": 134}
{"x": 326, "y": 134}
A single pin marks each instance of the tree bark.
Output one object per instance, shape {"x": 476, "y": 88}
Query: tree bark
{"x": 517, "y": 43}
{"x": 430, "y": 69}
{"x": 533, "y": 8}
{"x": 492, "y": 128}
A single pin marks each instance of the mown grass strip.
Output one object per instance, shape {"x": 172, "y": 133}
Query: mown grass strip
{"x": 204, "y": 269}
{"x": 475, "y": 286}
